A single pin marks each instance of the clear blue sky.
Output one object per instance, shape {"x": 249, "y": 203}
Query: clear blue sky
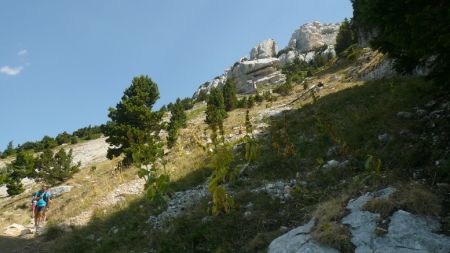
{"x": 63, "y": 63}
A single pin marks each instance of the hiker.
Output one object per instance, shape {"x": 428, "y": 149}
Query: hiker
{"x": 43, "y": 200}
{"x": 33, "y": 203}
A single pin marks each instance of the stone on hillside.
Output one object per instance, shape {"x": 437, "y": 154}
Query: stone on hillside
{"x": 404, "y": 115}
{"x": 313, "y": 35}
{"x": 298, "y": 241}
{"x": 266, "y": 49}
{"x": 59, "y": 190}
{"x": 406, "y": 232}
{"x": 16, "y": 230}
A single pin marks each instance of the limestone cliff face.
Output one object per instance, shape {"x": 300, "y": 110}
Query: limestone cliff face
{"x": 262, "y": 67}
{"x": 308, "y": 39}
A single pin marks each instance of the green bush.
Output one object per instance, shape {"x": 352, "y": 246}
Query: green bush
{"x": 284, "y": 89}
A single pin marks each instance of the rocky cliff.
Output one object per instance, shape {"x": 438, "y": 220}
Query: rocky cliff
{"x": 262, "y": 68}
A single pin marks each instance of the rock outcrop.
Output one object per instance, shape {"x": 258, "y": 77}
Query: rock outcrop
{"x": 313, "y": 35}
{"x": 306, "y": 43}
{"x": 309, "y": 40}
{"x": 406, "y": 232}
{"x": 249, "y": 74}
{"x": 265, "y": 49}
{"x": 262, "y": 68}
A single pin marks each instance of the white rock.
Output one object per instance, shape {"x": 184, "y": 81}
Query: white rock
{"x": 406, "y": 232}
{"x": 59, "y": 190}
{"x": 266, "y": 49}
{"x": 298, "y": 241}
{"x": 15, "y": 230}
{"x": 313, "y": 35}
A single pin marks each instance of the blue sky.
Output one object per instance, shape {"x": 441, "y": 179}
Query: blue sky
{"x": 64, "y": 63}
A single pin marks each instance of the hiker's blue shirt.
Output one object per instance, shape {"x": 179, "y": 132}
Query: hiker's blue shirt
{"x": 41, "y": 201}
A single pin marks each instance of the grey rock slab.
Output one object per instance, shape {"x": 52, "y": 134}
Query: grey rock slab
{"x": 298, "y": 240}
{"x": 59, "y": 190}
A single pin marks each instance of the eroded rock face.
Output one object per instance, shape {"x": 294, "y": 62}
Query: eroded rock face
{"x": 313, "y": 35}
{"x": 249, "y": 74}
{"x": 306, "y": 41}
{"x": 406, "y": 232}
{"x": 265, "y": 49}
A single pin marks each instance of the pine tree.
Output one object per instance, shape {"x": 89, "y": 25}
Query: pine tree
{"x": 177, "y": 120}
{"x": 229, "y": 95}
{"x": 134, "y": 131}
{"x": 9, "y": 150}
{"x": 215, "y": 113}
{"x": 345, "y": 37}
{"x": 134, "y": 126}
{"x": 55, "y": 168}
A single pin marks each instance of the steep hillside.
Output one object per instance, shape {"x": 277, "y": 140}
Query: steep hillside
{"x": 332, "y": 140}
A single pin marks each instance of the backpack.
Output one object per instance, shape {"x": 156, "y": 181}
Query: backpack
{"x": 44, "y": 196}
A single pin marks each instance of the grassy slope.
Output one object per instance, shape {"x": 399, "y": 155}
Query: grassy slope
{"x": 351, "y": 114}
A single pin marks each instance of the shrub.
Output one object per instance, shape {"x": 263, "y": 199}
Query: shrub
{"x": 284, "y": 89}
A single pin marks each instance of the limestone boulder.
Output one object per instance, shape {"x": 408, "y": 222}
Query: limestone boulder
{"x": 265, "y": 49}
{"x": 313, "y": 35}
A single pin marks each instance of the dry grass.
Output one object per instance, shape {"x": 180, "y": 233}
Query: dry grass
{"x": 327, "y": 230}
{"x": 331, "y": 210}
{"x": 384, "y": 207}
{"x": 417, "y": 199}
{"x": 334, "y": 235}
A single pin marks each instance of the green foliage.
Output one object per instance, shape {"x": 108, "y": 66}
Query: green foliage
{"x": 242, "y": 103}
{"x": 410, "y": 32}
{"x": 63, "y": 137}
{"x": 88, "y": 133}
{"x": 284, "y": 89}
{"x": 14, "y": 187}
{"x": 251, "y": 143}
{"x": 178, "y": 120}
{"x": 18, "y": 169}
{"x": 345, "y": 37}
{"x": 250, "y": 102}
{"x": 55, "y": 168}
{"x": 229, "y": 95}
{"x": 296, "y": 71}
{"x": 373, "y": 165}
{"x": 215, "y": 113}
{"x": 134, "y": 127}
{"x": 9, "y": 150}
{"x": 157, "y": 184}
{"x": 201, "y": 96}
{"x": 223, "y": 202}
{"x": 187, "y": 103}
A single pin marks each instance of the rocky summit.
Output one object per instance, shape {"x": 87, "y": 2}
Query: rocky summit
{"x": 310, "y": 40}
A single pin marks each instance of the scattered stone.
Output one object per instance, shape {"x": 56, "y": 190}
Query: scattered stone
{"x": 421, "y": 112}
{"x": 177, "y": 204}
{"x": 278, "y": 190}
{"x": 384, "y": 138}
{"x": 405, "y": 133}
{"x": 90, "y": 237}
{"x": 404, "y": 115}
{"x": 430, "y": 104}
